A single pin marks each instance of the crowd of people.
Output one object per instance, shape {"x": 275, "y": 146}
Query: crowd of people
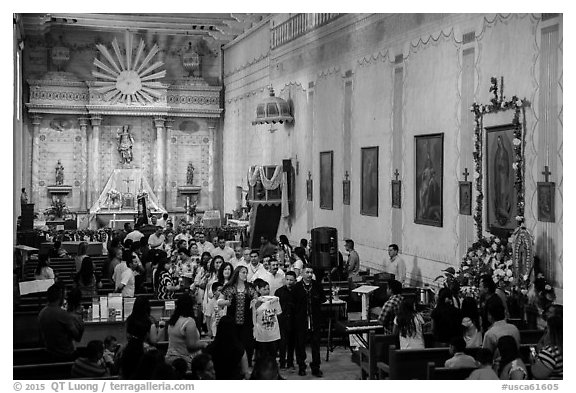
{"x": 259, "y": 308}
{"x": 465, "y": 323}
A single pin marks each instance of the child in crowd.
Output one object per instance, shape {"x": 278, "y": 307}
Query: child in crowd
{"x": 485, "y": 371}
{"x": 91, "y": 366}
{"x": 264, "y": 313}
{"x": 219, "y": 312}
{"x": 111, "y": 351}
{"x": 459, "y": 359}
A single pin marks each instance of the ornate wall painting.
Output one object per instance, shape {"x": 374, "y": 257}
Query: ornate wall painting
{"x": 327, "y": 180}
{"x": 465, "y": 198}
{"x": 429, "y": 154}
{"x": 369, "y": 184}
{"x": 546, "y": 201}
{"x": 397, "y": 194}
{"x": 501, "y": 194}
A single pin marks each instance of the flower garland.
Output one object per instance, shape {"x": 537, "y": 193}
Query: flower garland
{"x": 253, "y": 176}
{"x": 498, "y": 103}
{"x": 274, "y": 182}
{"x": 113, "y": 194}
{"x": 58, "y": 208}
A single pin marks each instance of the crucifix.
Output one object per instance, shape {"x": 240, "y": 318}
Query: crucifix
{"x": 128, "y": 181}
{"x": 396, "y": 174}
{"x": 346, "y": 176}
{"x": 546, "y": 173}
{"x": 466, "y": 173}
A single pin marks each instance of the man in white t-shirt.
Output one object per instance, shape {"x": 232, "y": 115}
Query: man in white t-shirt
{"x": 203, "y": 245}
{"x": 264, "y": 316}
{"x": 162, "y": 221}
{"x": 237, "y": 256}
{"x": 156, "y": 240}
{"x": 127, "y": 283}
{"x": 277, "y": 276}
{"x": 255, "y": 268}
{"x": 222, "y": 250}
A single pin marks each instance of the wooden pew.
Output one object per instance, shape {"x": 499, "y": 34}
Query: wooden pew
{"x": 377, "y": 351}
{"x": 530, "y": 336}
{"x": 43, "y": 371}
{"x": 445, "y": 373}
{"x": 31, "y": 356}
{"x": 413, "y": 363}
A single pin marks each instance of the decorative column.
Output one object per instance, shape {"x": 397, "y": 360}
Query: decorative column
{"x": 170, "y": 205}
{"x": 83, "y": 121}
{"x": 34, "y": 195}
{"x": 94, "y": 170}
{"x": 159, "y": 174}
{"x": 215, "y": 170}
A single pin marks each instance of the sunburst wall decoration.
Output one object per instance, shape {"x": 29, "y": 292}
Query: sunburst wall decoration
{"x": 126, "y": 78}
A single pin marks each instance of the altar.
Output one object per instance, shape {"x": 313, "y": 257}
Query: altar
{"x": 117, "y": 203}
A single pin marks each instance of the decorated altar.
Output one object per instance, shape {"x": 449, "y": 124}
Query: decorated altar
{"x": 117, "y": 202}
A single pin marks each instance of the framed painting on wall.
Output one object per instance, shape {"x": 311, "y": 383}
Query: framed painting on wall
{"x": 429, "y": 167}
{"x": 546, "y": 201}
{"x": 327, "y": 180}
{"x": 369, "y": 185}
{"x": 465, "y": 198}
{"x": 500, "y": 191}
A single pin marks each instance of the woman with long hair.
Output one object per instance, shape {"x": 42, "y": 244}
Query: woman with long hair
{"x": 227, "y": 351}
{"x": 285, "y": 248}
{"x": 43, "y": 270}
{"x": 164, "y": 285}
{"x": 208, "y": 311}
{"x": 236, "y": 297}
{"x": 141, "y": 325}
{"x": 446, "y": 319}
{"x": 198, "y": 287}
{"x": 549, "y": 362}
{"x": 471, "y": 323}
{"x": 82, "y": 250}
{"x": 511, "y": 364}
{"x": 87, "y": 280}
{"x": 408, "y": 325}
{"x": 183, "y": 336}
{"x": 225, "y": 273}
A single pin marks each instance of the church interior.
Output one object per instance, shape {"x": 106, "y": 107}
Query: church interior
{"x": 438, "y": 134}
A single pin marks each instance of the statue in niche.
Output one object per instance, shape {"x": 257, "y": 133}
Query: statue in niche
{"x": 190, "y": 174}
{"x": 125, "y": 142}
{"x": 59, "y": 174}
{"x": 502, "y": 179}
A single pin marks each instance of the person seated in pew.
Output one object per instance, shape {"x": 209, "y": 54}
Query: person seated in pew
{"x": 498, "y": 327}
{"x": 484, "y": 371}
{"x": 59, "y": 328}
{"x": 57, "y": 251}
{"x": 471, "y": 323}
{"x": 459, "y": 359}
{"x": 446, "y": 319}
{"x": 510, "y": 365}
{"x": 203, "y": 367}
{"x": 390, "y": 308}
{"x": 408, "y": 325}
{"x": 549, "y": 363}
{"x": 43, "y": 270}
{"x": 111, "y": 349}
{"x": 93, "y": 365}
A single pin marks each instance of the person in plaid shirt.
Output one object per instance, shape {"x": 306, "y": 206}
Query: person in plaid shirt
{"x": 390, "y": 308}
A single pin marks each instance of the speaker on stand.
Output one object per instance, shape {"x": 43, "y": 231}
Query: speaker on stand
{"x": 324, "y": 256}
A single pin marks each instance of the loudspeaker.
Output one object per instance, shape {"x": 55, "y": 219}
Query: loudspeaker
{"x": 324, "y": 251}
{"x": 27, "y": 217}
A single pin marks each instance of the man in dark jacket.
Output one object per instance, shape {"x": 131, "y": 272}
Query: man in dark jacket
{"x": 308, "y": 297}
{"x": 286, "y": 320}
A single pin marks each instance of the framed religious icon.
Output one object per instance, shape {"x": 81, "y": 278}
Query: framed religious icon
{"x": 501, "y": 194}
{"x": 546, "y": 201}
{"x": 327, "y": 180}
{"x": 369, "y": 184}
{"x": 397, "y": 194}
{"x": 429, "y": 166}
{"x": 465, "y": 198}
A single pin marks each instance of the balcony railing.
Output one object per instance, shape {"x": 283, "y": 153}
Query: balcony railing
{"x": 298, "y": 25}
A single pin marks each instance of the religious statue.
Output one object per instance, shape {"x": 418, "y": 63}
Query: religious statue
{"x": 125, "y": 142}
{"x": 502, "y": 180}
{"x": 23, "y": 197}
{"x": 59, "y": 174}
{"x": 190, "y": 174}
